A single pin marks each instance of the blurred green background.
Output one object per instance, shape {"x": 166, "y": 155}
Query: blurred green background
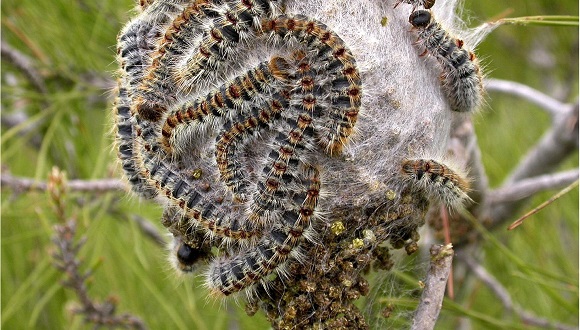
{"x": 72, "y": 43}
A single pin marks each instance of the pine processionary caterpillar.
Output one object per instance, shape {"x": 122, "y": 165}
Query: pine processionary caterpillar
{"x": 301, "y": 104}
{"x": 143, "y": 4}
{"x": 229, "y": 275}
{"x": 125, "y": 140}
{"x": 134, "y": 44}
{"x": 438, "y": 180}
{"x": 186, "y": 252}
{"x": 229, "y": 26}
{"x": 416, "y": 3}
{"x": 461, "y": 76}
{"x": 137, "y": 40}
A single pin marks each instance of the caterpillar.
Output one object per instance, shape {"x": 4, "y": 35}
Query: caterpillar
{"x": 187, "y": 252}
{"x": 227, "y": 26}
{"x": 229, "y": 275}
{"x": 138, "y": 39}
{"x": 135, "y": 43}
{"x": 438, "y": 181}
{"x": 416, "y": 3}
{"x": 125, "y": 143}
{"x": 202, "y": 157}
{"x": 461, "y": 76}
{"x": 143, "y": 4}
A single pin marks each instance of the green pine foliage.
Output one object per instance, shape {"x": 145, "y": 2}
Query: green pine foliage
{"x": 72, "y": 46}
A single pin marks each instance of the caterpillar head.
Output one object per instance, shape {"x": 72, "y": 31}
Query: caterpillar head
{"x": 420, "y": 18}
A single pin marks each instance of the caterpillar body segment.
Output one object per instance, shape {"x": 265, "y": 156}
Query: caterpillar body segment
{"x": 461, "y": 77}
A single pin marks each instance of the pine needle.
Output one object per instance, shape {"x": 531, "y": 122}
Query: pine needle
{"x": 544, "y": 204}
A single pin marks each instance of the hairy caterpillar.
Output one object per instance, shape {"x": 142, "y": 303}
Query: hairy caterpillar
{"x": 416, "y": 3}
{"x": 226, "y": 27}
{"x": 135, "y": 43}
{"x": 461, "y": 76}
{"x": 126, "y": 148}
{"x": 185, "y": 252}
{"x": 438, "y": 180}
{"x": 229, "y": 275}
{"x": 304, "y": 103}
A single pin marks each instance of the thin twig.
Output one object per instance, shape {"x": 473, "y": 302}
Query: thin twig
{"x": 149, "y": 230}
{"x": 21, "y": 184}
{"x": 528, "y": 187}
{"x": 23, "y": 63}
{"x": 463, "y": 146}
{"x": 553, "y": 106}
{"x": 431, "y": 300}
{"x": 446, "y": 232}
{"x": 19, "y": 117}
{"x": 500, "y": 291}
{"x": 556, "y": 146}
{"x": 543, "y": 205}
{"x": 100, "y": 314}
{"x": 27, "y": 41}
{"x": 66, "y": 260}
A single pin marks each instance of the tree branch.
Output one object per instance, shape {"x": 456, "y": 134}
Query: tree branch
{"x": 556, "y": 145}
{"x": 66, "y": 260}
{"x": 553, "y": 106}
{"x": 20, "y": 184}
{"x": 528, "y": 187}
{"x": 149, "y": 230}
{"x": 23, "y": 63}
{"x": 500, "y": 291}
{"x": 463, "y": 146}
{"x": 100, "y": 314}
{"x": 431, "y": 300}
